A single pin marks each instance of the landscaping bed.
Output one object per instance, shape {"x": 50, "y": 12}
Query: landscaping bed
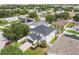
{"x": 53, "y": 40}
{"x": 71, "y": 25}
{"x": 72, "y": 31}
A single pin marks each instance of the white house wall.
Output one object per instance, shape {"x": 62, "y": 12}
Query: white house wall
{"x": 49, "y": 37}
{"x": 11, "y": 19}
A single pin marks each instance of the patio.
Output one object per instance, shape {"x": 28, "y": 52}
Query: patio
{"x": 25, "y": 46}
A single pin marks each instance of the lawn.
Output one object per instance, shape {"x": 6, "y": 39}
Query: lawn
{"x": 2, "y": 24}
{"x": 5, "y": 22}
{"x": 71, "y": 25}
{"x": 72, "y": 31}
{"x": 1, "y": 28}
{"x": 37, "y": 51}
{"x": 53, "y": 40}
{"x": 61, "y": 30}
{"x": 13, "y": 49}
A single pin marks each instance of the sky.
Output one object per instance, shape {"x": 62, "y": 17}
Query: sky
{"x": 39, "y": 2}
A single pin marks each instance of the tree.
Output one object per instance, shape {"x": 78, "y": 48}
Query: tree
{"x": 32, "y": 15}
{"x": 37, "y": 18}
{"x": 11, "y": 50}
{"x": 68, "y": 8}
{"x": 16, "y": 31}
{"x": 64, "y": 15}
{"x": 51, "y": 18}
{"x": 76, "y": 17}
{"x": 23, "y": 11}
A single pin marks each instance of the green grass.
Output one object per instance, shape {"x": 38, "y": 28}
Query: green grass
{"x": 13, "y": 49}
{"x": 1, "y": 28}
{"x": 5, "y": 23}
{"x": 61, "y": 30}
{"x": 37, "y": 51}
{"x": 2, "y": 24}
{"x": 70, "y": 25}
{"x": 53, "y": 40}
{"x": 72, "y": 31}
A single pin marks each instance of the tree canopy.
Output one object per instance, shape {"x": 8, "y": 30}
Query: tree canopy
{"x": 76, "y": 17}
{"x": 32, "y": 15}
{"x": 51, "y": 18}
{"x": 12, "y": 12}
{"x": 11, "y": 50}
{"x": 16, "y": 31}
{"x": 64, "y": 15}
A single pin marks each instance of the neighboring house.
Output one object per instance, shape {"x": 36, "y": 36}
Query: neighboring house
{"x": 38, "y": 23}
{"x": 59, "y": 23}
{"x": 26, "y": 20}
{"x": 72, "y": 13}
{"x": 59, "y": 11}
{"x": 40, "y": 33}
{"x": 9, "y": 19}
{"x": 76, "y": 27}
{"x": 42, "y": 13}
{"x": 3, "y": 41}
{"x": 65, "y": 45}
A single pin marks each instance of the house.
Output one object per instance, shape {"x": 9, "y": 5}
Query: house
{"x": 38, "y": 23}
{"x": 26, "y": 20}
{"x": 42, "y": 13}
{"x": 3, "y": 41}
{"x": 59, "y": 23}
{"x": 9, "y": 19}
{"x": 76, "y": 27}
{"x": 40, "y": 33}
{"x": 59, "y": 11}
{"x": 65, "y": 45}
{"x": 33, "y": 38}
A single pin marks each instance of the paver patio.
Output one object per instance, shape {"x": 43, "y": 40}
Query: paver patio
{"x": 25, "y": 46}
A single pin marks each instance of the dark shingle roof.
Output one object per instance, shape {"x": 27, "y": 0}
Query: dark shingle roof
{"x": 39, "y": 23}
{"x": 44, "y": 30}
{"x": 34, "y": 36}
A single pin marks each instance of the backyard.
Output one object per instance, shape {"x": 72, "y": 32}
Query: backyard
{"x": 13, "y": 49}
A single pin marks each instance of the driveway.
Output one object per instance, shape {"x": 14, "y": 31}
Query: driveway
{"x": 25, "y": 46}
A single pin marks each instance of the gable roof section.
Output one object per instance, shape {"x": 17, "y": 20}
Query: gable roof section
{"x": 39, "y": 23}
{"x": 33, "y": 36}
{"x": 61, "y": 22}
{"x": 44, "y": 30}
